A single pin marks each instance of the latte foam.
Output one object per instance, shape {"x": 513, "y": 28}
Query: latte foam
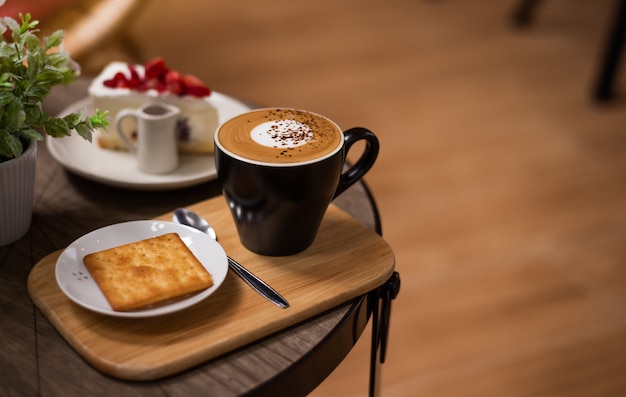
{"x": 282, "y": 133}
{"x": 279, "y": 136}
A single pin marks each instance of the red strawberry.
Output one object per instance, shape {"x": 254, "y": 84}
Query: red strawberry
{"x": 155, "y": 68}
{"x": 135, "y": 81}
{"x": 194, "y": 86}
{"x": 173, "y": 83}
{"x": 151, "y": 84}
{"x": 118, "y": 81}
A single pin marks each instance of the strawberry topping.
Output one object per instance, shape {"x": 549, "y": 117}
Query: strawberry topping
{"x": 157, "y": 76}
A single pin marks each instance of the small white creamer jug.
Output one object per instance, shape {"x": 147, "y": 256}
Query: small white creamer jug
{"x": 156, "y": 148}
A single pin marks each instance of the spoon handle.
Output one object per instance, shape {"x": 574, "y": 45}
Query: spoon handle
{"x": 257, "y": 284}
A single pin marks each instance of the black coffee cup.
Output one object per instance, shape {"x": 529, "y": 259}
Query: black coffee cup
{"x": 278, "y": 207}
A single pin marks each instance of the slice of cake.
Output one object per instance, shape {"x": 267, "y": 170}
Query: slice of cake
{"x": 121, "y": 85}
{"x": 135, "y": 275}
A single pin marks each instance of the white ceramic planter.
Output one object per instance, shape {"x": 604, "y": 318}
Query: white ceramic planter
{"x": 17, "y": 186}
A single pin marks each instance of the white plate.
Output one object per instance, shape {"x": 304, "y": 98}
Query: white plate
{"x": 76, "y": 282}
{"x": 119, "y": 169}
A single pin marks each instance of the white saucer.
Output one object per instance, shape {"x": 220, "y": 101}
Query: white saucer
{"x": 76, "y": 282}
{"x": 119, "y": 169}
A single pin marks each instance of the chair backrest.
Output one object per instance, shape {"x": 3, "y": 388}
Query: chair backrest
{"x": 91, "y": 23}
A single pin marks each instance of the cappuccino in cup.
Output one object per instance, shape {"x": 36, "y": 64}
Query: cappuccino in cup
{"x": 279, "y": 169}
{"x": 280, "y": 136}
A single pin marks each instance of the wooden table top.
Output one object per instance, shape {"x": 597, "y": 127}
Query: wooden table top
{"x": 36, "y": 360}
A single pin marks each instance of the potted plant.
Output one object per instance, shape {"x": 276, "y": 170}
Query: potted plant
{"x": 29, "y": 68}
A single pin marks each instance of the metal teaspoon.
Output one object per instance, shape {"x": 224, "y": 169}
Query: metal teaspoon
{"x": 187, "y": 217}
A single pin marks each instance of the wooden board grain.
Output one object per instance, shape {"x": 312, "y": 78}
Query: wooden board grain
{"x": 346, "y": 260}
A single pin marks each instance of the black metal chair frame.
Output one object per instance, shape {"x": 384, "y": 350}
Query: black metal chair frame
{"x": 603, "y": 90}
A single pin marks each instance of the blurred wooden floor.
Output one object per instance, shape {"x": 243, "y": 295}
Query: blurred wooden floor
{"x": 502, "y": 187}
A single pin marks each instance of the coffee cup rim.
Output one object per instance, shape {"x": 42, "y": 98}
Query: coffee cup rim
{"x": 283, "y": 165}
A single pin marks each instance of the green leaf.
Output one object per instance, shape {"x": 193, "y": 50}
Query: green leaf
{"x": 84, "y": 131}
{"x": 14, "y": 115}
{"x": 4, "y": 77}
{"x": 55, "y": 39}
{"x": 31, "y": 42}
{"x": 49, "y": 76}
{"x": 6, "y": 97}
{"x": 57, "y": 60}
{"x": 34, "y": 66}
{"x": 10, "y": 146}
{"x": 56, "y": 127}
{"x": 34, "y": 115}
{"x": 26, "y": 23}
{"x": 100, "y": 119}
{"x": 31, "y": 133}
{"x": 7, "y": 52}
{"x": 37, "y": 92}
{"x": 73, "y": 119}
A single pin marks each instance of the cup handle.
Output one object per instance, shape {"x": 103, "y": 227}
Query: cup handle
{"x": 121, "y": 115}
{"x": 364, "y": 163}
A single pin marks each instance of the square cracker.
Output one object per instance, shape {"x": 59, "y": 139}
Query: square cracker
{"x": 135, "y": 275}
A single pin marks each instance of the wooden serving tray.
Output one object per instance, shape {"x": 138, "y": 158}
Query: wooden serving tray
{"x": 345, "y": 261}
